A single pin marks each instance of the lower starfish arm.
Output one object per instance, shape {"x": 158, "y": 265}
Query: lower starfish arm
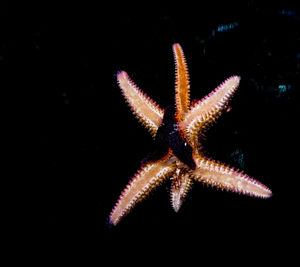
{"x": 142, "y": 183}
{"x": 222, "y": 176}
{"x": 181, "y": 183}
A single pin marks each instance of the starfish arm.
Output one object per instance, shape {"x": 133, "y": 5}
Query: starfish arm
{"x": 181, "y": 183}
{"x": 222, "y": 176}
{"x": 148, "y": 177}
{"x": 182, "y": 86}
{"x": 208, "y": 109}
{"x": 145, "y": 109}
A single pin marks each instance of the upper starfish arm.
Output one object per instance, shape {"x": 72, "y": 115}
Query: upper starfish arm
{"x": 182, "y": 84}
{"x": 149, "y": 176}
{"x": 222, "y": 176}
{"x": 209, "y": 108}
{"x": 145, "y": 109}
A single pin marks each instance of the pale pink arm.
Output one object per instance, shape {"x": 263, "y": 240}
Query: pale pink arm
{"x": 206, "y": 110}
{"x": 145, "y": 109}
{"x": 222, "y": 176}
{"x": 150, "y": 175}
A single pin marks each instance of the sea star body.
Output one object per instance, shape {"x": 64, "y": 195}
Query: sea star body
{"x": 180, "y": 130}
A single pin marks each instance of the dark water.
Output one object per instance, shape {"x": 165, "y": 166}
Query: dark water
{"x": 83, "y": 144}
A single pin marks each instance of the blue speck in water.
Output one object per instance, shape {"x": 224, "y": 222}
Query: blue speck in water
{"x": 225, "y": 28}
{"x": 282, "y": 88}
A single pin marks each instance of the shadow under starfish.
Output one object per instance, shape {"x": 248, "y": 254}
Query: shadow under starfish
{"x": 179, "y": 131}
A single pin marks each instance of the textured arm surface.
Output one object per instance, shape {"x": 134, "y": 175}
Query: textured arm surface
{"x": 145, "y": 109}
{"x": 222, "y": 176}
{"x": 148, "y": 177}
{"x": 182, "y": 84}
{"x": 208, "y": 109}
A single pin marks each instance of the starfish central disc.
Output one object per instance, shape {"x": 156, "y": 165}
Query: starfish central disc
{"x": 168, "y": 133}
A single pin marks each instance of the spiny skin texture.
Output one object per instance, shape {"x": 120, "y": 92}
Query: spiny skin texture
{"x": 150, "y": 175}
{"x": 179, "y": 130}
{"x": 144, "y": 108}
{"x": 182, "y": 86}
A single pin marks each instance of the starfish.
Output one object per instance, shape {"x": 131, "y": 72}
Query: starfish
{"x": 179, "y": 130}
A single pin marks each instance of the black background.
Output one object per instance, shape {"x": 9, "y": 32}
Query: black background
{"x": 82, "y": 144}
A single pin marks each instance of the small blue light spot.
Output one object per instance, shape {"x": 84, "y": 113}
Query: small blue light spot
{"x": 282, "y": 88}
{"x": 225, "y": 28}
